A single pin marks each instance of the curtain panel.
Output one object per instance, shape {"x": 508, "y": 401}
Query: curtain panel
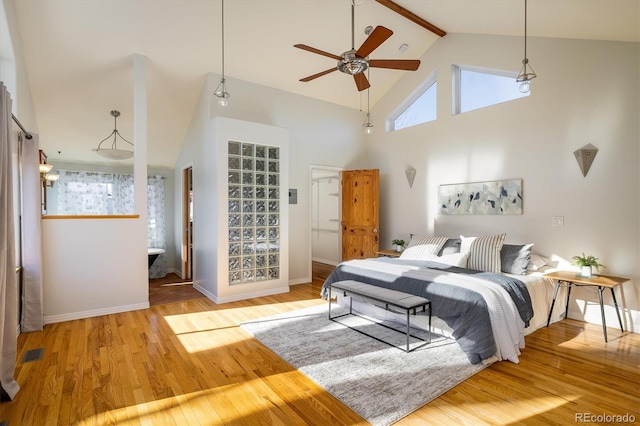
{"x": 8, "y": 279}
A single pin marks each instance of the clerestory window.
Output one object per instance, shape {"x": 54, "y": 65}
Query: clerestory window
{"x": 419, "y": 108}
{"x": 479, "y": 88}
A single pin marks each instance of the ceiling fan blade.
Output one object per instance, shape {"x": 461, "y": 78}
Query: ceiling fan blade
{"x": 361, "y": 81}
{"x": 395, "y": 64}
{"x": 318, "y": 51}
{"x": 379, "y": 35}
{"x": 320, "y": 74}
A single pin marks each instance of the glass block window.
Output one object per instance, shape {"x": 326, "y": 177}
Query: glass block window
{"x": 253, "y": 212}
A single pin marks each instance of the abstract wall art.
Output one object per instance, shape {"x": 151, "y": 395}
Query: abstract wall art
{"x": 481, "y": 198}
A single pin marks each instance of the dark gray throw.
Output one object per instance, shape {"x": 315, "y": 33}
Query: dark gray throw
{"x": 463, "y": 310}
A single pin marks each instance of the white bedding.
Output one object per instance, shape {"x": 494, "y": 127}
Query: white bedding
{"x": 507, "y": 326}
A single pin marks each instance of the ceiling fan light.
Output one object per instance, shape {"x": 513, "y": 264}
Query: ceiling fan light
{"x": 352, "y": 64}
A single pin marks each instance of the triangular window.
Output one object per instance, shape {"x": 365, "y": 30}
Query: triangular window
{"x": 420, "y": 108}
{"x": 474, "y": 88}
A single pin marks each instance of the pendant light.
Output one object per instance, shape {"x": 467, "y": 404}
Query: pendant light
{"x": 221, "y": 90}
{"x": 113, "y": 153}
{"x": 526, "y": 73}
{"x": 368, "y": 125}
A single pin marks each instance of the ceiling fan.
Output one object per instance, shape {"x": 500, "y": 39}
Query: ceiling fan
{"x": 355, "y": 62}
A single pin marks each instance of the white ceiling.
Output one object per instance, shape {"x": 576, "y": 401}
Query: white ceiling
{"x": 78, "y": 53}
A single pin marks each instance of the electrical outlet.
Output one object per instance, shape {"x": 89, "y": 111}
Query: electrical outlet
{"x": 557, "y": 220}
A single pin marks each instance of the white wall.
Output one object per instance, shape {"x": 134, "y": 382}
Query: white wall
{"x": 92, "y": 267}
{"x": 319, "y": 133}
{"x": 586, "y": 92}
{"x": 12, "y": 67}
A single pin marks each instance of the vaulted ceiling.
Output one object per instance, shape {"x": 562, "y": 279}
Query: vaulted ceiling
{"x": 78, "y": 53}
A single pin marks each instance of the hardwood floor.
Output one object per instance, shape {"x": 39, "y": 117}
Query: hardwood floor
{"x": 188, "y": 363}
{"x": 171, "y": 289}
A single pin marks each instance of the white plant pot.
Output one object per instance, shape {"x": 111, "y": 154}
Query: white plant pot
{"x": 399, "y": 249}
{"x": 586, "y": 271}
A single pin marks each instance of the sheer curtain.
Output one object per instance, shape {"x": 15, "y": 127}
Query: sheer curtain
{"x": 99, "y": 193}
{"x": 156, "y": 224}
{"x": 8, "y": 279}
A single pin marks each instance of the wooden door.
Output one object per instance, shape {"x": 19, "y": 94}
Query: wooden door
{"x": 360, "y": 208}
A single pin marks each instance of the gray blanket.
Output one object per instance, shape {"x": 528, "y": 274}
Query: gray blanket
{"x": 463, "y": 310}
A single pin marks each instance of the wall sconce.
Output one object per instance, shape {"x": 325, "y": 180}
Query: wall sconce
{"x": 47, "y": 178}
{"x": 50, "y": 179}
{"x": 411, "y": 175}
{"x": 585, "y": 157}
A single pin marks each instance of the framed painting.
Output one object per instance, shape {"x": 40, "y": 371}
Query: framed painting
{"x": 481, "y": 198}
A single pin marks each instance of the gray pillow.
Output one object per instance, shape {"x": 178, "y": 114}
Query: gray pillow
{"x": 515, "y": 258}
{"x": 451, "y": 246}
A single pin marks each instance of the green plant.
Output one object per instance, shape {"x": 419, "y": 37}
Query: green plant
{"x": 400, "y": 243}
{"x": 585, "y": 260}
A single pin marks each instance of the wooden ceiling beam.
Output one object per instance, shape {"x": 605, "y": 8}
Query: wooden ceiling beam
{"x": 412, "y": 17}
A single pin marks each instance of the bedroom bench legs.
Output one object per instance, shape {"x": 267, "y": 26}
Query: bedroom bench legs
{"x": 407, "y": 303}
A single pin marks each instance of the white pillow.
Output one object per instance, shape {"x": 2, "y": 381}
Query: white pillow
{"x": 454, "y": 259}
{"x": 421, "y": 247}
{"x": 484, "y": 252}
{"x": 536, "y": 262}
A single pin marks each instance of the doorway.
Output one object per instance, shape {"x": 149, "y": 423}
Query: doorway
{"x": 187, "y": 223}
{"x": 325, "y": 208}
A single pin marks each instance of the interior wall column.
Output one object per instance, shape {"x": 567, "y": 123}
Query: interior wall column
{"x": 140, "y": 122}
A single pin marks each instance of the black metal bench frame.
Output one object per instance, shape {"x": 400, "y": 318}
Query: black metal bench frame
{"x": 425, "y": 304}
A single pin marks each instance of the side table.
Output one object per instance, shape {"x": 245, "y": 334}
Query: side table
{"x": 570, "y": 279}
{"x": 388, "y": 253}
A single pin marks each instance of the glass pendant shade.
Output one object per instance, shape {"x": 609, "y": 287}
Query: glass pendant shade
{"x": 368, "y": 125}
{"x": 113, "y": 152}
{"x": 221, "y": 93}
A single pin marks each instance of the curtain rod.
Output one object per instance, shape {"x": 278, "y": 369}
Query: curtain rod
{"x": 26, "y": 134}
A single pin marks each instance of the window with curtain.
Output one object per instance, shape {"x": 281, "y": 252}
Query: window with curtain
{"x": 99, "y": 193}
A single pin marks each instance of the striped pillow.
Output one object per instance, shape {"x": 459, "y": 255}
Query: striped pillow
{"x": 422, "y": 247}
{"x": 484, "y": 252}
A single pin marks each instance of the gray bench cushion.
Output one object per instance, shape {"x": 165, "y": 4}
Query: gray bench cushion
{"x": 393, "y": 297}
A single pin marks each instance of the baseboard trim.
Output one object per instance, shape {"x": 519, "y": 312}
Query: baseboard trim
{"x": 94, "y": 313}
{"x": 242, "y": 296}
{"x": 325, "y": 261}
{"x": 305, "y": 280}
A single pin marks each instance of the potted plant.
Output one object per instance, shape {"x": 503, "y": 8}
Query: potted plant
{"x": 587, "y": 263}
{"x": 399, "y": 244}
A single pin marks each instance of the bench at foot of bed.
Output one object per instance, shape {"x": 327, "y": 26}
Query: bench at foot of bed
{"x": 392, "y": 300}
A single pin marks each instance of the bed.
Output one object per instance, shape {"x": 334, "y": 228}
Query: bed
{"x": 487, "y": 313}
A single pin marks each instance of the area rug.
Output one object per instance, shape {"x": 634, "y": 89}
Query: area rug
{"x": 380, "y": 382}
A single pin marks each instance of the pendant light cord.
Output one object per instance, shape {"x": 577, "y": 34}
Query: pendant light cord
{"x": 525, "y": 29}
{"x": 223, "y": 39}
{"x": 353, "y": 23}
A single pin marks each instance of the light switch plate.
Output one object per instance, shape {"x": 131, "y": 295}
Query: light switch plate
{"x": 557, "y": 221}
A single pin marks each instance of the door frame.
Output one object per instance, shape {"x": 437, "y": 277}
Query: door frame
{"x": 186, "y": 234}
{"x": 337, "y": 170}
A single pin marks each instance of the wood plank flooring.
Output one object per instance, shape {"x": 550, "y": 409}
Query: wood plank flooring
{"x": 188, "y": 363}
{"x": 171, "y": 289}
